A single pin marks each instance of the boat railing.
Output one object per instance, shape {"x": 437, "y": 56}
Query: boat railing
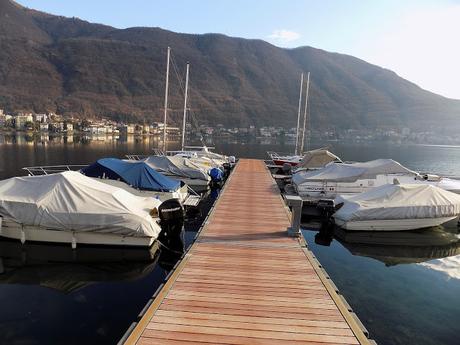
{"x": 274, "y": 155}
{"x": 136, "y": 157}
{"x": 52, "y": 169}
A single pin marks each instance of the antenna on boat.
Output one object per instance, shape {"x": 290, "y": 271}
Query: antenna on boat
{"x": 298, "y": 115}
{"x": 185, "y": 106}
{"x": 305, "y": 114}
{"x": 166, "y": 100}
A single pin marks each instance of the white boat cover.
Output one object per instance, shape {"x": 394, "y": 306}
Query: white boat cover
{"x": 350, "y": 172}
{"x": 179, "y": 166}
{"x": 71, "y": 201}
{"x": 317, "y": 159}
{"x": 405, "y": 201}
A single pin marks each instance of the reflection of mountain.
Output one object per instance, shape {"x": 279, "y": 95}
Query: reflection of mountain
{"x": 67, "y": 270}
{"x": 393, "y": 248}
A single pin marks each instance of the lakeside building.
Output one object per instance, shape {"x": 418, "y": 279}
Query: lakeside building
{"x": 21, "y": 120}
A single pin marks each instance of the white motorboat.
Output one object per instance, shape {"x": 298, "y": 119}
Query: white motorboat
{"x": 180, "y": 168}
{"x": 354, "y": 178}
{"x": 395, "y": 207}
{"x": 71, "y": 208}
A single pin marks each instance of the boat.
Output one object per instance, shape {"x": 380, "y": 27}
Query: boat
{"x": 280, "y": 159}
{"x": 138, "y": 178}
{"x": 69, "y": 207}
{"x": 397, "y": 207}
{"x": 354, "y": 178}
{"x": 182, "y": 169}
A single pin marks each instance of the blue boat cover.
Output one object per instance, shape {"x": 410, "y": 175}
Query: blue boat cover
{"x": 137, "y": 174}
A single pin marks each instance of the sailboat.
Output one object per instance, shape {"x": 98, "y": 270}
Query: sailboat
{"x": 293, "y": 160}
{"x": 201, "y": 155}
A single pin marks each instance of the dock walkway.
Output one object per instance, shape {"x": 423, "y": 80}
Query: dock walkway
{"x": 244, "y": 281}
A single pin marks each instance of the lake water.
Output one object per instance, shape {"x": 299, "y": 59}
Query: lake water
{"x": 405, "y": 289}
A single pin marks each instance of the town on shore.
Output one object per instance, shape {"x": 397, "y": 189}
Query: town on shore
{"x": 57, "y": 125}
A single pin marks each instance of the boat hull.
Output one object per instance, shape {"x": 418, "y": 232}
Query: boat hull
{"x": 282, "y": 162}
{"x": 35, "y": 234}
{"x": 392, "y": 224}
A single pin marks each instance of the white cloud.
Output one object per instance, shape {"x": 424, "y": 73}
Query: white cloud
{"x": 423, "y": 47}
{"x": 284, "y": 36}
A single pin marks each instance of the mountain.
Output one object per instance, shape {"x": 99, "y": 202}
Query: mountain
{"x": 70, "y": 66}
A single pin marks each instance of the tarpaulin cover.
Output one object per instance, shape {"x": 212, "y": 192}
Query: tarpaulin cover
{"x": 137, "y": 174}
{"x": 317, "y": 159}
{"x": 406, "y": 201}
{"x": 178, "y": 166}
{"x": 72, "y": 201}
{"x": 350, "y": 172}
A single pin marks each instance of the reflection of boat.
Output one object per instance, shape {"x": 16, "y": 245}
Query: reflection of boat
{"x": 401, "y": 247}
{"x": 67, "y": 270}
{"x": 395, "y": 207}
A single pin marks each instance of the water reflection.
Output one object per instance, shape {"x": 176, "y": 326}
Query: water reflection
{"x": 398, "y": 247}
{"x": 66, "y": 270}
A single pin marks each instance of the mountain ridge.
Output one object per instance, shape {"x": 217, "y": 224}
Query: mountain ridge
{"x": 71, "y": 66}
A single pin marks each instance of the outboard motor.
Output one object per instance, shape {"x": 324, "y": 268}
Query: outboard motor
{"x": 326, "y": 208}
{"x": 171, "y": 239}
{"x": 227, "y": 169}
{"x": 217, "y": 176}
{"x": 287, "y": 168}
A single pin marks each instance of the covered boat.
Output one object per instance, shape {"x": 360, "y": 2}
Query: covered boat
{"x": 394, "y": 207}
{"x": 316, "y": 159}
{"x": 137, "y": 177}
{"x": 69, "y": 207}
{"x": 180, "y": 168}
{"x": 354, "y": 178}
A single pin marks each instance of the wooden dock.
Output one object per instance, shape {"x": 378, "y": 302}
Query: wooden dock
{"x": 244, "y": 281}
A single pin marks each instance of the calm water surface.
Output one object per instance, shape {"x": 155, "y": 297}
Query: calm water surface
{"x": 405, "y": 290}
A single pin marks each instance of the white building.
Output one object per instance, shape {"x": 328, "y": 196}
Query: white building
{"x": 21, "y": 120}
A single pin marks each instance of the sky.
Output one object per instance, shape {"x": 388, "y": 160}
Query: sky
{"x": 418, "y": 39}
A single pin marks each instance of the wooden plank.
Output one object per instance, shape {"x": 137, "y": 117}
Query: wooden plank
{"x": 331, "y": 339}
{"x": 254, "y": 319}
{"x": 241, "y": 325}
{"x": 244, "y": 281}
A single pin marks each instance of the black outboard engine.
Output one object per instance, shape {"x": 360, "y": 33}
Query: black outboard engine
{"x": 287, "y": 169}
{"x": 227, "y": 170}
{"x": 326, "y": 208}
{"x": 171, "y": 214}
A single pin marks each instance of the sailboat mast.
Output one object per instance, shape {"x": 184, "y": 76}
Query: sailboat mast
{"x": 305, "y": 114}
{"x": 185, "y": 107}
{"x": 166, "y": 100}
{"x": 298, "y": 115}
